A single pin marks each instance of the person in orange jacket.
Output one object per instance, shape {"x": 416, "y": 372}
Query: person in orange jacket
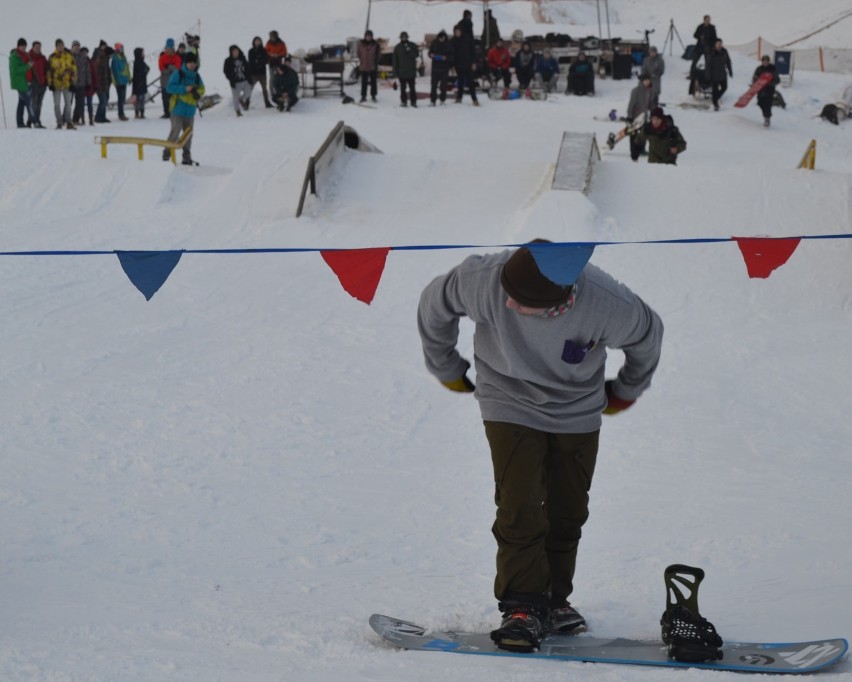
{"x": 277, "y": 50}
{"x": 498, "y": 60}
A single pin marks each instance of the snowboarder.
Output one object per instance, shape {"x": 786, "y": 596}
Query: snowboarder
{"x": 405, "y": 69}
{"x": 637, "y": 113}
{"x": 718, "y": 68}
{"x": 655, "y": 66}
{"x": 186, "y": 88}
{"x": 540, "y": 353}
{"x": 767, "y": 93}
{"x": 665, "y": 141}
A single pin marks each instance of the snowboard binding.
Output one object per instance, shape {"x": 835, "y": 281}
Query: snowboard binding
{"x": 689, "y": 637}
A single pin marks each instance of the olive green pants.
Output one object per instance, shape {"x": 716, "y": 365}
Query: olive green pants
{"x": 542, "y": 483}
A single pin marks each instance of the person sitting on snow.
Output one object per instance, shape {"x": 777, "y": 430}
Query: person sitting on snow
{"x": 581, "y": 77}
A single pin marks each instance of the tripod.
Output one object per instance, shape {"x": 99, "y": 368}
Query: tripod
{"x": 670, "y": 36}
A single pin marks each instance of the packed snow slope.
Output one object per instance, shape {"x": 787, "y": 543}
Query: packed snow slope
{"x": 225, "y": 482}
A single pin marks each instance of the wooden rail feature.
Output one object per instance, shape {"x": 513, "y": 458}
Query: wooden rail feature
{"x": 140, "y": 142}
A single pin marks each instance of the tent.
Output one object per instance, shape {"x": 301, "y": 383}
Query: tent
{"x": 485, "y": 6}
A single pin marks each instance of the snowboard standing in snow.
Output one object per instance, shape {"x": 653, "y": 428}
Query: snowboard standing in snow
{"x": 756, "y": 87}
{"x": 688, "y": 640}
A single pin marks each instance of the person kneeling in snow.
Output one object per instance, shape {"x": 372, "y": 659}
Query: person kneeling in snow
{"x": 285, "y": 86}
{"x": 664, "y": 139}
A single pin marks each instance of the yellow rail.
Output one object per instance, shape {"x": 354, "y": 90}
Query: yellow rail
{"x": 140, "y": 142}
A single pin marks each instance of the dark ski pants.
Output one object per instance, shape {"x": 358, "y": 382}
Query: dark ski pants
{"x": 637, "y": 145}
{"x": 542, "y": 482}
{"x": 407, "y": 84}
{"x": 465, "y": 80}
{"x": 764, "y": 101}
{"x": 369, "y": 78}
{"x": 440, "y": 80}
{"x": 719, "y": 88}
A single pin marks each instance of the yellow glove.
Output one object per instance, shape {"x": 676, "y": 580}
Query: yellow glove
{"x": 460, "y": 385}
{"x": 614, "y": 403}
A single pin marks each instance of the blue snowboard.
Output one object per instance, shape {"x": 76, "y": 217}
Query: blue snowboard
{"x": 797, "y": 657}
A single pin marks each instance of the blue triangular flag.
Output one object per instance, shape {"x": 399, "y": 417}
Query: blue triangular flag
{"x": 561, "y": 263}
{"x": 148, "y": 270}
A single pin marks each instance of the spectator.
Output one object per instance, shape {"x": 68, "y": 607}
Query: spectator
{"x": 718, "y": 68}
{"x": 120, "y": 77}
{"x": 637, "y": 114}
{"x": 581, "y": 76}
{"x": 139, "y": 87}
{"x": 38, "y": 84}
{"x": 525, "y": 66}
{"x": 81, "y": 84}
{"x": 655, "y": 66}
{"x": 490, "y": 32}
{"x": 441, "y": 53}
{"x": 277, "y": 50}
{"x": 285, "y": 86}
{"x": 92, "y": 87}
{"x": 705, "y": 39}
{"x": 547, "y": 70}
{"x": 20, "y": 75}
{"x": 62, "y": 74}
{"x": 186, "y": 88}
{"x": 498, "y": 60}
{"x": 103, "y": 76}
{"x": 405, "y": 68}
{"x": 236, "y": 70}
{"x": 368, "y": 65}
{"x": 193, "y": 46}
{"x": 767, "y": 93}
{"x": 258, "y": 59}
{"x": 464, "y": 56}
{"x": 168, "y": 63}
{"x": 664, "y": 139}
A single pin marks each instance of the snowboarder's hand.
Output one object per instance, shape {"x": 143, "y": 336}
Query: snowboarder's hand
{"x": 673, "y": 150}
{"x": 462, "y": 384}
{"x": 614, "y": 403}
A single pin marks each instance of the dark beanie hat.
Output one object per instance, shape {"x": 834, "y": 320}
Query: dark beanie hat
{"x": 657, "y": 112}
{"x": 523, "y": 281}
{"x": 190, "y": 57}
{"x": 22, "y": 42}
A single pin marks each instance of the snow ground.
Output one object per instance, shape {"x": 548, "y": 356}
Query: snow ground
{"x": 224, "y": 482}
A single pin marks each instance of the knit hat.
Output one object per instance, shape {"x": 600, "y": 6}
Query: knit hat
{"x": 190, "y": 57}
{"x": 523, "y": 281}
{"x": 119, "y": 47}
{"x": 170, "y": 43}
{"x": 75, "y": 43}
{"x": 658, "y": 112}
{"x": 22, "y": 42}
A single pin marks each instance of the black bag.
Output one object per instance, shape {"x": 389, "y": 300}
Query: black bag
{"x": 829, "y": 113}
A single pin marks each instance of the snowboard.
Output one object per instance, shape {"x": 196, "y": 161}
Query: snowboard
{"x": 796, "y": 657}
{"x": 204, "y": 103}
{"x": 764, "y": 80}
{"x": 514, "y": 93}
{"x": 614, "y": 138}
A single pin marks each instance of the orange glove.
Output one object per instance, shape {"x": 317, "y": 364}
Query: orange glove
{"x": 460, "y": 385}
{"x": 614, "y": 403}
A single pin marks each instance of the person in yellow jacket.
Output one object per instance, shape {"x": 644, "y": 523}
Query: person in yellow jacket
{"x": 61, "y": 76}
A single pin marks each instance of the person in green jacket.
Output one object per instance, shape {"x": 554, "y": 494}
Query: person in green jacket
{"x": 405, "y": 56}
{"x": 20, "y": 73}
{"x": 664, "y": 139}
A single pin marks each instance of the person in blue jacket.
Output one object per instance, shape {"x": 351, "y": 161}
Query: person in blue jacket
{"x": 547, "y": 70}
{"x": 121, "y": 76}
{"x": 186, "y": 88}
{"x": 581, "y": 76}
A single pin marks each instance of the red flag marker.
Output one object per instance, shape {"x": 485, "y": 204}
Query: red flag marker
{"x": 359, "y": 270}
{"x": 763, "y": 255}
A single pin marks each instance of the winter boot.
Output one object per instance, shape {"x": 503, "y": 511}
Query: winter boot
{"x": 522, "y": 629}
{"x": 566, "y": 620}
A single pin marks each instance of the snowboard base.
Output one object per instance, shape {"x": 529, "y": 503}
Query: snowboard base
{"x": 797, "y": 657}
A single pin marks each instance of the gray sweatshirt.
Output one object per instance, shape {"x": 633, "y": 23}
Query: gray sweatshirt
{"x": 545, "y": 373}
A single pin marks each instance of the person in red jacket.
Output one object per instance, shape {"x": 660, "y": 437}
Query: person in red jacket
{"x": 38, "y": 84}
{"x": 168, "y": 63}
{"x": 498, "y": 60}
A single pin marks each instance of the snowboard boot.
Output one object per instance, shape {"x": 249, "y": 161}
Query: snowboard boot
{"x": 522, "y": 629}
{"x": 689, "y": 637}
{"x": 566, "y": 620}
{"x": 610, "y": 141}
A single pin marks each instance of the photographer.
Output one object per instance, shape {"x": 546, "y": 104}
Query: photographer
{"x": 186, "y": 88}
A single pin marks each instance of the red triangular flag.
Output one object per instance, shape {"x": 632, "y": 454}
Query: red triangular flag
{"x": 359, "y": 270}
{"x": 762, "y": 255}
